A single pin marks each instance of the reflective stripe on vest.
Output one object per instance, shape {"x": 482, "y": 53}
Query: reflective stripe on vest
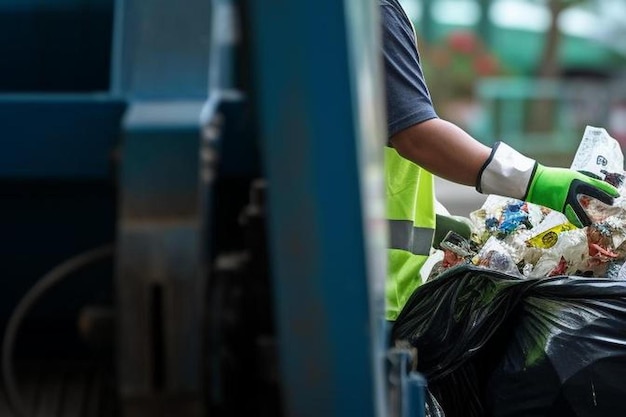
{"x": 411, "y": 217}
{"x": 404, "y": 235}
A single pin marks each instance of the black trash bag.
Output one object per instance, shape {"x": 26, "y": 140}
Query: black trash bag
{"x": 456, "y": 322}
{"x": 490, "y": 344}
{"x": 567, "y": 356}
{"x": 432, "y": 407}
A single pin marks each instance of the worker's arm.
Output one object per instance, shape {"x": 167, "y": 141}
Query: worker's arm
{"x": 443, "y": 149}
{"x": 449, "y": 152}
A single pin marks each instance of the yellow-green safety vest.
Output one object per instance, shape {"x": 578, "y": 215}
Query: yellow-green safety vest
{"x": 410, "y": 194}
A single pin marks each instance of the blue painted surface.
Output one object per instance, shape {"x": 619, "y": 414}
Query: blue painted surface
{"x": 416, "y": 396}
{"x": 71, "y": 137}
{"x": 161, "y": 160}
{"x": 55, "y": 45}
{"x": 311, "y": 146}
{"x": 160, "y": 243}
{"x": 59, "y": 131}
{"x": 311, "y": 129}
{"x": 161, "y": 66}
{"x": 161, "y": 49}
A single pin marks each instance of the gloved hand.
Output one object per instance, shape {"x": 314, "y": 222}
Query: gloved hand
{"x": 559, "y": 188}
{"x": 511, "y": 174}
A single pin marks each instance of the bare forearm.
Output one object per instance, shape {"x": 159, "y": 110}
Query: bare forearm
{"x": 443, "y": 149}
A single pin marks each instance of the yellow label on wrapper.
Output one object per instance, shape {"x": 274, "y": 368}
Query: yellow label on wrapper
{"x": 547, "y": 239}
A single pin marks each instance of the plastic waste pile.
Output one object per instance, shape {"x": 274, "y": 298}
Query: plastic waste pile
{"x": 527, "y": 240}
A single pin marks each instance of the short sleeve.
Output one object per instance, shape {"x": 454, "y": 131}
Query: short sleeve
{"x": 407, "y": 97}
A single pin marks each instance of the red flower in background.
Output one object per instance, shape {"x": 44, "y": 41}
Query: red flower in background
{"x": 463, "y": 42}
{"x": 486, "y": 65}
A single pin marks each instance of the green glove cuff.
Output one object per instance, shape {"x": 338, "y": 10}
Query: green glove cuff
{"x": 560, "y": 188}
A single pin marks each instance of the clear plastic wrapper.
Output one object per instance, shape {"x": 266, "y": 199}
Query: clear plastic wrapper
{"x": 456, "y": 251}
{"x": 497, "y": 256}
{"x": 457, "y": 244}
{"x": 598, "y": 152}
{"x": 568, "y": 256}
{"x": 546, "y": 234}
{"x": 516, "y": 244}
{"x": 616, "y": 270}
{"x": 600, "y": 156}
{"x": 502, "y": 217}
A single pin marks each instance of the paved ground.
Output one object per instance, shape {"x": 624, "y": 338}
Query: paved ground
{"x": 458, "y": 199}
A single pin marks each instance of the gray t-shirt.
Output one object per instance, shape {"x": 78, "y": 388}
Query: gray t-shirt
{"x": 408, "y": 99}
